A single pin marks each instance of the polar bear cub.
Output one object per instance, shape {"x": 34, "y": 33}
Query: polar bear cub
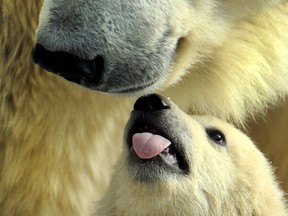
{"x": 175, "y": 164}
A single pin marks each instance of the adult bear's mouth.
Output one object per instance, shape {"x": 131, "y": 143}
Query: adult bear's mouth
{"x": 101, "y": 74}
{"x": 130, "y": 89}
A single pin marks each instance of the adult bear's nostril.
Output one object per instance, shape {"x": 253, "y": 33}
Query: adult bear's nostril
{"x": 71, "y": 67}
{"x": 99, "y": 68}
{"x": 151, "y": 102}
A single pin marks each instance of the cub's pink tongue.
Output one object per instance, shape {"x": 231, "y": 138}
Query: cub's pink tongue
{"x": 148, "y": 145}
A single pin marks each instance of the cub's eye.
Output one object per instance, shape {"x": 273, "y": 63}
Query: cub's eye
{"x": 216, "y": 136}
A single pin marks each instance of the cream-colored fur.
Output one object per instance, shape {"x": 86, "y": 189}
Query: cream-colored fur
{"x": 235, "y": 179}
{"x": 58, "y": 141}
{"x": 246, "y": 73}
{"x": 271, "y": 135}
{"x": 231, "y": 56}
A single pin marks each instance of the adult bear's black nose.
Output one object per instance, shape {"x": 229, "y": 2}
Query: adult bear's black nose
{"x": 69, "y": 66}
{"x": 151, "y": 102}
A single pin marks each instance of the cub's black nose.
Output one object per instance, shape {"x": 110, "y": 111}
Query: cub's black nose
{"x": 151, "y": 102}
{"x": 69, "y": 66}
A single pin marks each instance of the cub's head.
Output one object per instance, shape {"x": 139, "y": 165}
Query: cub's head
{"x": 132, "y": 46}
{"x": 175, "y": 164}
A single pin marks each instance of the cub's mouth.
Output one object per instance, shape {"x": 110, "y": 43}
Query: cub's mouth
{"x": 155, "y": 145}
{"x": 150, "y": 144}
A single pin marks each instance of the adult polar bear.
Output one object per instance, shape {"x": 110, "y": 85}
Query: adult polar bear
{"x": 56, "y": 136}
{"x": 224, "y": 58}
{"x": 237, "y": 50}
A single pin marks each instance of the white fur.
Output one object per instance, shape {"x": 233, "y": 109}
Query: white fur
{"x": 235, "y": 179}
{"x": 59, "y": 141}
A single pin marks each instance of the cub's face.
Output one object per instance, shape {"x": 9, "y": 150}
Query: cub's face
{"x": 132, "y": 46}
{"x": 198, "y": 154}
{"x": 176, "y": 164}
{"x": 164, "y": 143}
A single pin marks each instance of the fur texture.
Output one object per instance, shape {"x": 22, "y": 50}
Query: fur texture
{"x": 239, "y": 52}
{"x": 233, "y": 178}
{"x": 58, "y": 141}
{"x": 271, "y": 135}
{"x": 56, "y": 147}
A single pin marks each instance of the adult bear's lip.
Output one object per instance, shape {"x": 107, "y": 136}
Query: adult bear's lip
{"x": 173, "y": 156}
{"x": 132, "y": 89}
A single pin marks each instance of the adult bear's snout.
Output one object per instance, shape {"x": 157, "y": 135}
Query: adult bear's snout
{"x": 70, "y": 67}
